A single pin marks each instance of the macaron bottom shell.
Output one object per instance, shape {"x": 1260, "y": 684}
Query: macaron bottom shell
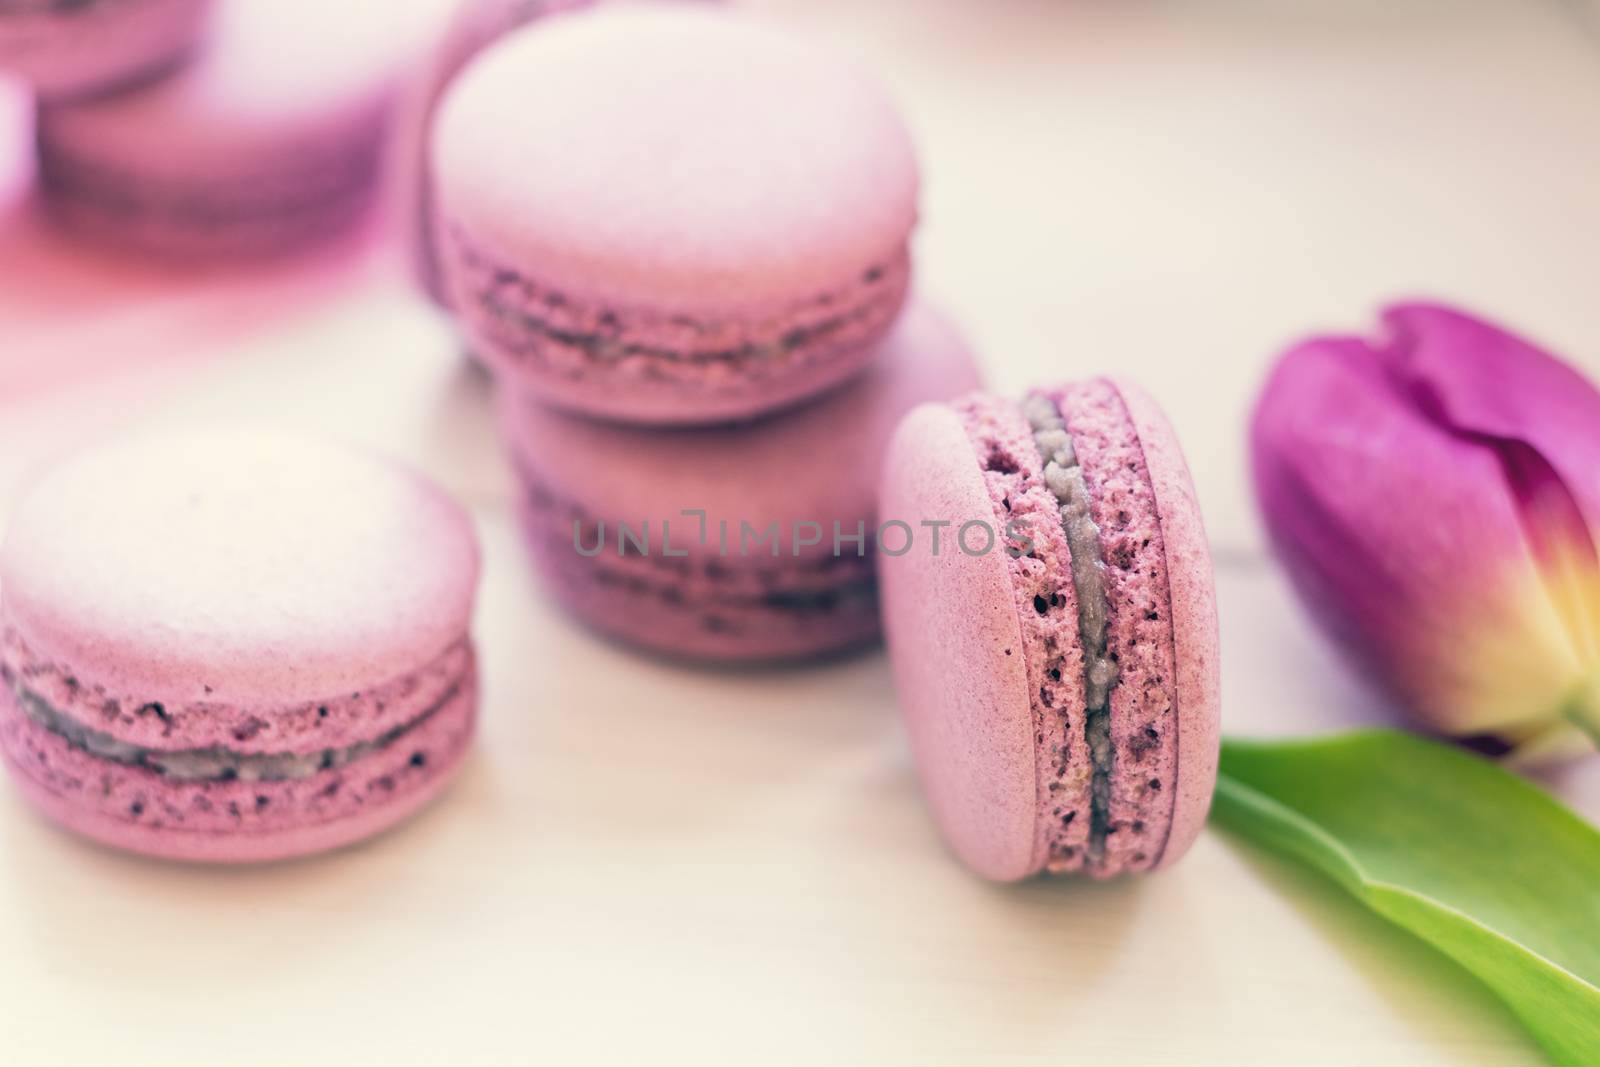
{"x": 140, "y": 810}
{"x": 477, "y": 25}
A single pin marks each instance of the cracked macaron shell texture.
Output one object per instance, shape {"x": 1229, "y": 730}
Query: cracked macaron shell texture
{"x": 247, "y": 590}
{"x": 721, "y": 229}
{"x": 817, "y": 463}
{"x": 273, "y": 139}
{"x": 63, "y": 49}
{"x": 985, "y": 648}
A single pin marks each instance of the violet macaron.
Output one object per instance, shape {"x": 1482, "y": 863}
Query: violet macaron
{"x": 706, "y": 219}
{"x": 273, "y": 139}
{"x": 66, "y": 48}
{"x": 235, "y": 645}
{"x": 1058, "y": 674}
{"x": 741, "y": 562}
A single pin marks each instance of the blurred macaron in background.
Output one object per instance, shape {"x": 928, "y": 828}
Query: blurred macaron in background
{"x": 271, "y": 139}
{"x": 82, "y": 47}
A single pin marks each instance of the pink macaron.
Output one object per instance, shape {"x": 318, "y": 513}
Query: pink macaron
{"x": 273, "y": 139}
{"x": 1057, "y": 659}
{"x": 706, "y": 219}
{"x": 235, "y": 645}
{"x": 738, "y": 559}
{"x": 64, "y": 48}
{"x": 477, "y": 24}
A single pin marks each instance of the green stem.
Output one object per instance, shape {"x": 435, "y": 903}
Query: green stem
{"x": 1583, "y": 710}
{"x": 1589, "y": 727}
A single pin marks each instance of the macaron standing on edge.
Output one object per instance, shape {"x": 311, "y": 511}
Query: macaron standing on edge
{"x": 235, "y": 645}
{"x": 720, "y": 231}
{"x": 274, "y": 139}
{"x": 756, "y": 575}
{"x": 63, "y": 49}
{"x": 1061, "y": 688}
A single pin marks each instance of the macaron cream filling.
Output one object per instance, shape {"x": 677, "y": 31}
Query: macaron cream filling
{"x": 54, "y": 7}
{"x": 531, "y": 321}
{"x": 417, "y": 698}
{"x": 1063, "y": 476}
{"x": 1143, "y": 607}
{"x": 24, "y": 7}
{"x": 810, "y": 585}
{"x": 1091, "y": 597}
{"x": 213, "y": 764}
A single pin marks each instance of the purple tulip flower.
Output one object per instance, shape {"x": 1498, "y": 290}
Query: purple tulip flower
{"x": 1435, "y": 496}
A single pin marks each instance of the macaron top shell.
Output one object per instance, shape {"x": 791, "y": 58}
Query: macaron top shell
{"x": 266, "y": 70}
{"x": 959, "y": 670}
{"x": 246, "y": 566}
{"x": 476, "y": 24}
{"x": 715, "y": 160}
{"x": 816, "y": 463}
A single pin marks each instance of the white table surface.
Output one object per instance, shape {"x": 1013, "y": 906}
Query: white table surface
{"x": 654, "y": 864}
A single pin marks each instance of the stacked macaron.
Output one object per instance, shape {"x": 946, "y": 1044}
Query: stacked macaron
{"x": 693, "y": 291}
{"x": 477, "y": 24}
{"x": 206, "y": 130}
{"x": 735, "y": 542}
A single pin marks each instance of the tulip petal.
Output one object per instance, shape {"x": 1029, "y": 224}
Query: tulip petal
{"x": 1543, "y": 420}
{"x": 1488, "y": 382}
{"x": 1406, "y": 541}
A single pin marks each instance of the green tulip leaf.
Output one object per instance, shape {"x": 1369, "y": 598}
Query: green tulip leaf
{"x": 1486, "y": 867}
